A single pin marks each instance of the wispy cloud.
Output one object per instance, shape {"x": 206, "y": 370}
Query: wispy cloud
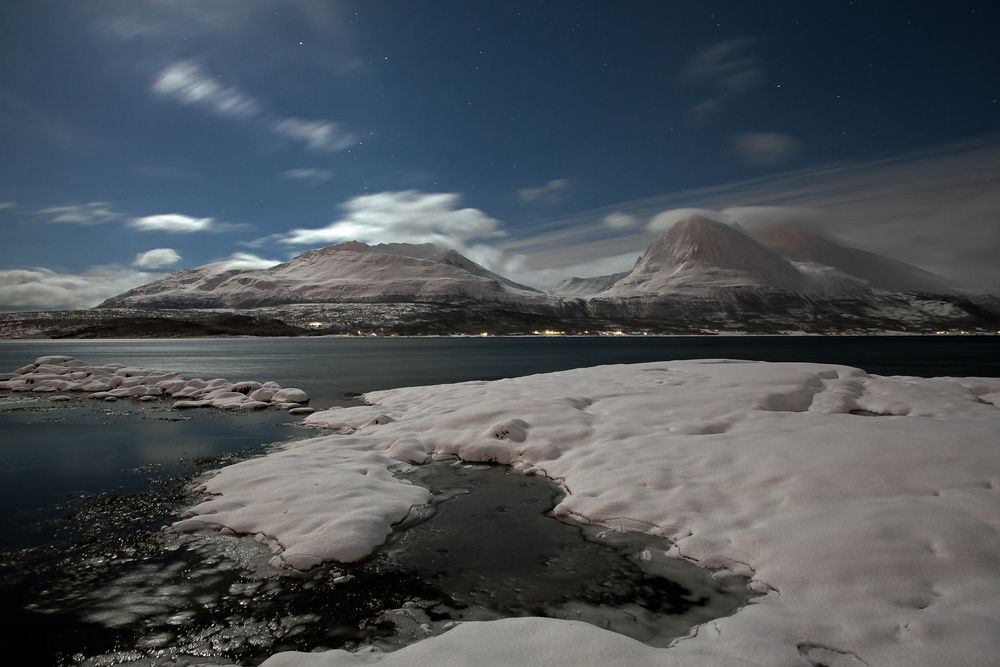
{"x": 551, "y": 193}
{"x": 311, "y": 176}
{"x": 765, "y": 148}
{"x": 172, "y": 223}
{"x": 4, "y": 205}
{"x": 187, "y": 83}
{"x": 317, "y": 135}
{"x": 91, "y": 213}
{"x": 722, "y": 71}
{"x": 156, "y": 258}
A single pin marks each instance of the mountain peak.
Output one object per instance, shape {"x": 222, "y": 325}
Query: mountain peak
{"x": 698, "y": 254}
{"x": 349, "y": 246}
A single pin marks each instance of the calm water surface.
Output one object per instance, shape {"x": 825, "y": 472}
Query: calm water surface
{"x": 330, "y": 367}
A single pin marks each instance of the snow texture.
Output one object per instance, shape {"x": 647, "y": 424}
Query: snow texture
{"x": 110, "y": 382}
{"x": 866, "y": 508}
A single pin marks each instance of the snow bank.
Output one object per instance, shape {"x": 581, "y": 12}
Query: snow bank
{"x": 516, "y": 642}
{"x": 866, "y": 508}
{"x": 330, "y": 503}
{"x": 110, "y": 382}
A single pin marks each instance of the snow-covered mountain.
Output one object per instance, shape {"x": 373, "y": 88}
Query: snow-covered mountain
{"x": 582, "y": 287}
{"x": 699, "y": 275}
{"x": 344, "y": 273}
{"x": 699, "y": 256}
{"x": 800, "y": 243}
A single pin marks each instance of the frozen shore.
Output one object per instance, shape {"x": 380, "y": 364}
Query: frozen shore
{"x": 867, "y": 508}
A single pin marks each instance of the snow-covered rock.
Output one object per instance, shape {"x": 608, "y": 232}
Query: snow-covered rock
{"x": 290, "y": 395}
{"x": 867, "y": 508}
{"x": 110, "y": 382}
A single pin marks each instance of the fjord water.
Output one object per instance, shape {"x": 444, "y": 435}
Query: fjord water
{"x": 87, "y": 485}
{"x": 328, "y": 368}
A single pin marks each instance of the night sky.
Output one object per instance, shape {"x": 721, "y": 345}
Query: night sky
{"x": 539, "y": 138}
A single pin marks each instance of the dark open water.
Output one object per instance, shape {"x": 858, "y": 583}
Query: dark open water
{"x": 329, "y": 367}
{"x": 86, "y": 486}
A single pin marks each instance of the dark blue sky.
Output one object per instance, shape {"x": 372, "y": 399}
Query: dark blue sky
{"x": 247, "y": 119}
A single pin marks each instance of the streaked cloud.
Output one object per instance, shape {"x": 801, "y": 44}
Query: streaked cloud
{"x": 765, "y": 148}
{"x": 172, "y": 223}
{"x": 551, "y": 193}
{"x": 92, "y": 213}
{"x": 619, "y": 220}
{"x": 311, "y": 176}
{"x": 7, "y": 205}
{"x": 41, "y": 288}
{"x": 156, "y": 258}
{"x": 317, "y": 135}
{"x": 722, "y": 71}
{"x": 185, "y": 82}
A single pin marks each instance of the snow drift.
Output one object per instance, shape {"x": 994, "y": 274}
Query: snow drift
{"x": 865, "y": 508}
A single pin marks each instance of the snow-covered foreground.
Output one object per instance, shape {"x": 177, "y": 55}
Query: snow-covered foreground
{"x": 875, "y": 535}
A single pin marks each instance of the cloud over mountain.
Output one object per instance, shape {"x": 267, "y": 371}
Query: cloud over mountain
{"x": 157, "y": 258}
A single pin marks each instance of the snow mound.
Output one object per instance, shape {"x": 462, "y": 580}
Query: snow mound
{"x": 110, "y": 382}
{"x": 513, "y": 642}
{"x": 338, "y": 478}
{"x": 867, "y": 508}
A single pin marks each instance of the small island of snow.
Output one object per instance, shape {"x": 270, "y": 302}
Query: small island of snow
{"x": 54, "y": 374}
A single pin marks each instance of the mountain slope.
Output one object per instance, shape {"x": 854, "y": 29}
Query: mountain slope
{"x": 344, "y": 273}
{"x": 580, "y": 287}
{"x": 799, "y": 243}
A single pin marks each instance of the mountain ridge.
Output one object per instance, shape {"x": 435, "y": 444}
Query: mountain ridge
{"x": 699, "y": 275}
